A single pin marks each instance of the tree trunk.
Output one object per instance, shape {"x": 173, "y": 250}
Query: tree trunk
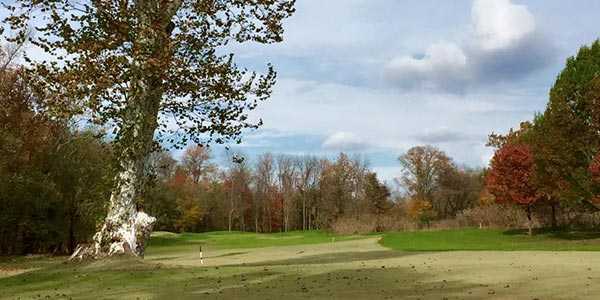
{"x": 303, "y": 212}
{"x": 71, "y": 233}
{"x": 554, "y": 216}
{"x": 230, "y": 220}
{"x": 126, "y": 229}
{"x": 529, "y": 221}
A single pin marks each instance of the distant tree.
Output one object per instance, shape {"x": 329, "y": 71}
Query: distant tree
{"x": 377, "y": 195}
{"x": 510, "y": 178}
{"x": 457, "y": 190}
{"x": 196, "y": 161}
{"x": 419, "y": 210}
{"x": 140, "y": 64}
{"x": 309, "y": 171}
{"x": 237, "y": 184}
{"x": 287, "y": 175}
{"x": 265, "y": 191}
{"x": 421, "y": 170}
{"x": 337, "y": 187}
{"x": 186, "y": 192}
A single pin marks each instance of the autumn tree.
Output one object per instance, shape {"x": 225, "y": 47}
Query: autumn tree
{"x": 421, "y": 170}
{"x": 594, "y": 170}
{"x": 145, "y": 66}
{"x": 338, "y": 187}
{"x": 510, "y": 178}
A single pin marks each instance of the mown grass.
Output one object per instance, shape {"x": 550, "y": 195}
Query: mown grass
{"x": 491, "y": 239}
{"x": 335, "y": 275}
{"x": 162, "y": 242}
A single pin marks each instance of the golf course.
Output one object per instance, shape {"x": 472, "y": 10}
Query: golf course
{"x": 451, "y": 264}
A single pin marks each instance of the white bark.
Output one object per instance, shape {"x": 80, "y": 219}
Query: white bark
{"x": 125, "y": 230}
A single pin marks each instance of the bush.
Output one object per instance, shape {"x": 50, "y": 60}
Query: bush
{"x": 494, "y": 216}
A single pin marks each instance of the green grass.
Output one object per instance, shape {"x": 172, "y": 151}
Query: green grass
{"x": 344, "y": 274}
{"x": 490, "y": 239}
{"x": 116, "y": 278}
{"x": 161, "y": 242}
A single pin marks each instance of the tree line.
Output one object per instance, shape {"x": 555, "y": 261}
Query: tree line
{"x": 56, "y": 175}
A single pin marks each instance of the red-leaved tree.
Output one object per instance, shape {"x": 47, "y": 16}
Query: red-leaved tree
{"x": 510, "y": 178}
{"x": 594, "y": 169}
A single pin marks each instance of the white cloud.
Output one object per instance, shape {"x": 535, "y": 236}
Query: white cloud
{"x": 441, "y": 61}
{"x": 498, "y": 24}
{"x": 344, "y": 141}
{"x": 502, "y": 44}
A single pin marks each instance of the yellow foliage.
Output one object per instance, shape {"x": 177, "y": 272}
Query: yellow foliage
{"x": 419, "y": 209}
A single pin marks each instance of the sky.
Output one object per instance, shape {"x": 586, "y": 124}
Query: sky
{"x": 377, "y": 77}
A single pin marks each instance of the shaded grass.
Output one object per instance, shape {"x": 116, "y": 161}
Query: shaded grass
{"x": 127, "y": 278}
{"x": 491, "y": 239}
{"x": 116, "y": 278}
{"x": 338, "y": 257}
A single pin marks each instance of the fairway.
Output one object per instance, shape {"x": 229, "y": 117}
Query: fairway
{"x": 311, "y": 264}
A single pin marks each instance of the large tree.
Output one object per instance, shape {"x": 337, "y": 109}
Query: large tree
{"x": 567, "y": 136}
{"x": 150, "y": 69}
{"x": 510, "y": 178}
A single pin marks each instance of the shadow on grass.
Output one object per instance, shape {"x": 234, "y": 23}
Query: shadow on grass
{"x": 330, "y": 258}
{"x": 121, "y": 278}
{"x": 229, "y": 254}
{"x": 363, "y": 283}
{"x": 562, "y": 233}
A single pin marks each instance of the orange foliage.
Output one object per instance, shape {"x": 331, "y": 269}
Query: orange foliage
{"x": 418, "y": 209}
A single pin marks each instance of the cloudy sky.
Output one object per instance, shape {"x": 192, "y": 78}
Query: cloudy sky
{"x": 376, "y": 77}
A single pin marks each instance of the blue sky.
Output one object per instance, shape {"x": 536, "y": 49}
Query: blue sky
{"x": 377, "y": 77}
